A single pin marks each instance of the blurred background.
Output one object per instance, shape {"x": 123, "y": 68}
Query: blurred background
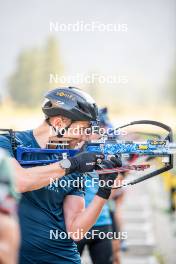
{"x": 134, "y": 67}
{"x": 131, "y": 70}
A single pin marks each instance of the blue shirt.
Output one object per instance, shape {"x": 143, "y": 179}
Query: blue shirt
{"x": 41, "y": 215}
{"x": 91, "y": 188}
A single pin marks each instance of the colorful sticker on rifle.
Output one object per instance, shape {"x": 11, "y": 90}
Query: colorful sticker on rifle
{"x": 143, "y": 147}
{"x": 158, "y": 142}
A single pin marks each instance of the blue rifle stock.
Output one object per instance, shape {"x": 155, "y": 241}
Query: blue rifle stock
{"x": 151, "y": 148}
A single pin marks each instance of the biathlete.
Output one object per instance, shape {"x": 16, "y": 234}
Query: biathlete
{"x": 101, "y": 239}
{"x": 44, "y": 208}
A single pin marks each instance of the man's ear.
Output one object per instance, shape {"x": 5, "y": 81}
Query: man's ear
{"x": 57, "y": 122}
{"x": 60, "y": 122}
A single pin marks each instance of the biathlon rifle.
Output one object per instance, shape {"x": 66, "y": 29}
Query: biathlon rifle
{"x": 109, "y": 145}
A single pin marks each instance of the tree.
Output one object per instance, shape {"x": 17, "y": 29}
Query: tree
{"x": 31, "y": 78}
{"x": 52, "y": 65}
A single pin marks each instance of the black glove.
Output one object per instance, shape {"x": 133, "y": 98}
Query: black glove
{"x": 107, "y": 180}
{"x": 85, "y": 162}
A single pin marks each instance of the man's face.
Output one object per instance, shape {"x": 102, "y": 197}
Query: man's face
{"x": 78, "y": 130}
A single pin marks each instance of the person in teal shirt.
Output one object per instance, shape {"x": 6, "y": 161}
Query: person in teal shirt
{"x": 100, "y": 250}
{"x": 45, "y": 210}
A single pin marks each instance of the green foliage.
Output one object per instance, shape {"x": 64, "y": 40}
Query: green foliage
{"x": 31, "y": 78}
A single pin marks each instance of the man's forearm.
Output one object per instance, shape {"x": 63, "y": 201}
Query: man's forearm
{"x": 37, "y": 177}
{"x": 86, "y": 219}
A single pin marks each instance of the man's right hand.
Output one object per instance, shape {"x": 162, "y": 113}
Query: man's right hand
{"x": 85, "y": 162}
{"x": 108, "y": 179}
